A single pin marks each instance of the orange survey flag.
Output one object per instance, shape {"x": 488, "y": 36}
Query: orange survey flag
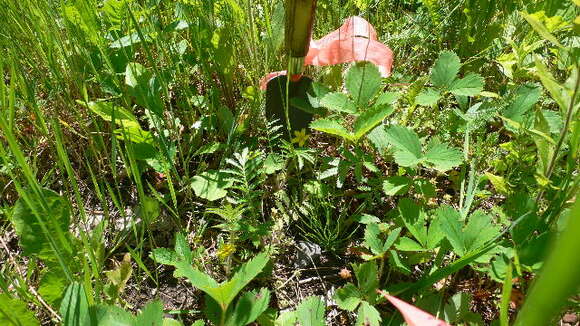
{"x": 413, "y": 315}
{"x": 355, "y": 40}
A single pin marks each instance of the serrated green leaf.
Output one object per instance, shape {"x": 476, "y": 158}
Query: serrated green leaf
{"x": 525, "y": 97}
{"x": 368, "y": 279}
{"x": 164, "y": 256}
{"x": 370, "y": 118}
{"x": 450, "y": 221}
{"x": 479, "y": 230}
{"x": 378, "y": 137}
{"x": 211, "y": 185}
{"x": 408, "y": 244}
{"x": 338, "y": 102}
{"x": 391, "y": 238}
{"x": 428, "y": 97}
{"x": 407, "y": 145}
{"x": 424, "y": 187}
{"x": 387, "y": 98}
{"x": 372, "y": 238}
{"x": 14, "y": 312}
{"x": 363, "y": 81}
{"x": 396, "y": 185}
{"x": 445, "y": 69}
{"x": 310, "y": 312}
{"x": 182, "y": 248}
{"x": 348, "y": 297}
{"x": 367, "y": 315}
{"x": 414, "y": 219}
{"x": 470, "y": 85}
{"x": 332, "y": 127}
{"x": 151, "y": 314}
{"x": 443, "y": 157}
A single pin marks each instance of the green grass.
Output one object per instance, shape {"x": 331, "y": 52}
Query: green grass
{"x": 128, "y": 107}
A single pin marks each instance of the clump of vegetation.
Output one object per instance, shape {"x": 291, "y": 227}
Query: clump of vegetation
{"x": 130, "y": 127}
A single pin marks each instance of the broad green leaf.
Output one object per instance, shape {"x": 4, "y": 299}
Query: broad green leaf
{"x": 332, "y": 127}
{"x": 451, "y": 225}
{"x": 164, "y": 256}
{"x": 428, "y": 97}
{"x": 14, "y": 312}
{"x": 498, "y": 183}
{"x": 310, "y": 312}
{"x": 397, "y": 185}
{"x": 553, "y": 87}
{"x": 182, "y": 248}
{"x": 249, "y": 306}
{"x": 348, "y": 297}
{"x": 338, "y": 102}
{"x": 370, "y": 118}
{"x": 378, "y": 137}
{"x": 198, "y": 279}
{"x": 540, "y": 28}
{"x": 372, "y": 239}
{"x": 363, "y": 81}
{"x": 470, "y": 85}
{"x": 391, "y": 238}
{"x": 135, "y": 134}
{"x": 424, "y": 187}
{"x": 445, "y": 69}
{"x": 151, "y": 314}
{"x": 129, "y": 40}
{"x": 211, "y": 185}
{"x": 33, "y": 239}
{"x": 74, "y": 307}
{"x": 241, "y": 278}
{"x": 52, "y": 285}
{"x": 135, "y": 75}
{"x": 105, "y": 315}
{"x": 368, "y": 279}
{"x": 525, "y": 97}
{"x": 407, "y": 145}
{"x": 107, "y": 111}
{"x": 414, "y": 219}
{"x": 367, "y": 315}
{"x": 408, "y": 244}
{"x": 479, "y": 230}
{"x": 443, "y": 157}
{"x": 387, "y": 98}
{"x": 173, "y": 322}
{"x": 287, "y": 318}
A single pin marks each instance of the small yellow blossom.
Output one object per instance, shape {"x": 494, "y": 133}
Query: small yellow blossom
{"x": 226, "y": 250}
{"x": 300, "y": 137}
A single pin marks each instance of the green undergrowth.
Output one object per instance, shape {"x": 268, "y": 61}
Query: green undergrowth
{"x": 136, "y": 160}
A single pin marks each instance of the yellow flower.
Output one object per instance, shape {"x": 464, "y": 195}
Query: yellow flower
{"x": 226, "y": 250}
{"x": 301, "y": 137}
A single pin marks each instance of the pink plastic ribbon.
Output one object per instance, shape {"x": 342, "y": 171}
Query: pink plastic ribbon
{"x": 355, "y": 40}
{"x": 413, "y": 315}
